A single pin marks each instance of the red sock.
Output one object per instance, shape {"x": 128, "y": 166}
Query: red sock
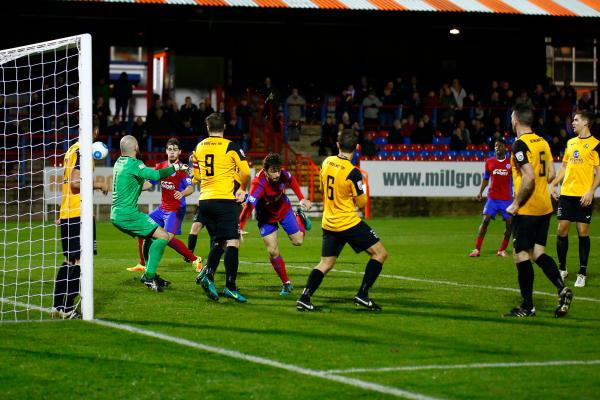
{"x": 279, "y": 267}
{"x": 478, "y": 242}
{"x": 179, "y": 247}
{"x": 504, "y": 245}
{"x": 140, "y": 246}
{"x": 300, "y": 224}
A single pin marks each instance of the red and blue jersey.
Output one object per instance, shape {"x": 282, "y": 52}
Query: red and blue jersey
{"x": 169, "y": 185}
{"x": 499, "y": 174}
{"x": 268, "y": 198}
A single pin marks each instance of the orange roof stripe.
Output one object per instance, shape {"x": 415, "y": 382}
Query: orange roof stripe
{"x": 552, "y": 7}
{"x": 212, "y": 3}
{"x": 443, "y": 5}
{"x": 387, "y": 5}
{"x": 330, "y": 4}
{"x": 595, "y": 4}
{"x": 499, "y": 6}
{"x": 271, "y": 3}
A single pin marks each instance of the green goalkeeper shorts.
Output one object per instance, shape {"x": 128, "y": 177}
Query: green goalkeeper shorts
{"x": 135, "y": 224}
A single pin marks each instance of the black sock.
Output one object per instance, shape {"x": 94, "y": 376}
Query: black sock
{"x": 562, "y": 247}
{"x": 371, "y": 273}
{"x": 584, "y": 253}
{"x": 312, "y": 284}
{"x": 548, "y": 265}
{"x": 72, "y": 286}
{"x": 525, "y": 273}
{"x": 213, "y": 260}
{"x": 231, "y": 266}
{"x": 192, "y": 242}
{"x": 60, "y": 285}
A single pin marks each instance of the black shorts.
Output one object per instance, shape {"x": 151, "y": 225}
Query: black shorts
{"x": 529, "y": 230}
{"x": 70, "y": 236}
{"x": 360, "y": 237}
{"x": 220, "y": 217}
{"x": 570, "y": 209}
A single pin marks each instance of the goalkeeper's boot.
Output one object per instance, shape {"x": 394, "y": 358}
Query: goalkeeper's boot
{"x": 162, "y": 282}
{"x": 151, "y": 284}
{"x": 565, "y": 297}
{"x": 197, "y": 264}
{"x": 366, "y": 302}
{"x": 305, "y": 219}
{"x": 286, "y": 289}
{"x": 138, "y": 268}
{"x": 208, "y": 286}
{"x": 304, "y": 304}
{"x": 235, "y": 295}
{"x": 521, "y": 312}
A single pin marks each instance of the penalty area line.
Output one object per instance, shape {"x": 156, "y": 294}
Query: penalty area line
{"x": 365, "y": 385}
{"x": 556, "y": 363}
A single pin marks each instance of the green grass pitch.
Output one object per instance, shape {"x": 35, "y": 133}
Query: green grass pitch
{"x": 441, "y": 333}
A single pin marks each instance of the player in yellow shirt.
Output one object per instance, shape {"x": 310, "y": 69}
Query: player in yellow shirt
{"x": 343, "y": 190}
{"x": 66, "y": 287}
{"x": 219, "y": 160}
{"x": 580, "y": 176}
{"x": 533, "y": 169}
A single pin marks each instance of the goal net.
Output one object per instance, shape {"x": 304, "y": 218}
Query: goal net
{"x": 45, "y": 106}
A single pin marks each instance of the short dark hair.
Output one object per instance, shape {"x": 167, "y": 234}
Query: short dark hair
{"x": 272, "y": 160}
{"x": 588, "y": 116}
{"x": 348, "y": 139}
{"x": 524, "y": 113}
{"x": 173, "y": 142}
{"x": 215, "y": 122}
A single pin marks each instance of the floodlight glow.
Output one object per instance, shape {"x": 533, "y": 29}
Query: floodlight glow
{"x": 454, "y": 31}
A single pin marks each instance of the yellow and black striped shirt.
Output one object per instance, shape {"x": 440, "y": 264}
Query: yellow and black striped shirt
{"x": 581, "y": 156}
{"x": 341, "y": 183}
{"x": 219, "y": 161}
{"x": 533, "y": 149}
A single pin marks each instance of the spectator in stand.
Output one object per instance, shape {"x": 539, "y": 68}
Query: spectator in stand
{"x": 122, "y": 90}
{"x": 371, "y": 107}
{"x": 395, "y": 133}
{"x": 296, "y": 105}
{"x": 390, "y": 102}
{"x": 557, "y": 146}
{"x": 408, "y": 126}
{"x": 349, "y": 101}
{"x": 586, "y": 102}
{"x": 102, "y": 111}
{"x": 570, "y": 92}
{"x": 363, "y": 90}
{"x": 447, "y": 126}
{"x": 416, "y": 105}
{"x": 329, "y": 132}
{"x": 172, "y": 115}
{"x": 138, "y": 131}
{"x": 447, "y": 101}
{"x": 541, "y": 128}
{"x": 116, "y": 129}
{"x": 458, "y": 141}
{"x": 270, "y": 95}
{"x": 346, "y": 123}
{"x": 409, "y": 87}
{"x": 524, "y": 99}
{"x": 496, "y": 106}
{"x": 537, "y": 98}
{"x": 243, "y": 113}
{"x": 199, "y": 120}
{"x": 503, "y": 91}
{"x": 496, "y": 126}
{"x": 464, "y": 131}
{"x": 477, "y": 132}
{"x": 423, "y": 133}
{"x": 459, "y": 94}
{"x": 102, "y": 89}
{"x": 431, "y": 102}
{"x": 510, "y": 100}
{"x": 187, "y": 111}
{"x": 367, "y": 146}
{"x": 555, "y": 126}
{"x": 159, "y": 128}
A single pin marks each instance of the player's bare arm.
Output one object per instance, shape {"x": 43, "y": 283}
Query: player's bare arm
{"x": 557, "y": 181}
{"x": 526, "y": 189}
{"x": 587, "y": 198}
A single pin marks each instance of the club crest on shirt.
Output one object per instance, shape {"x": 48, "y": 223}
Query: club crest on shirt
{"x": 508, "y": 166}
{"x": 576, "y": 154}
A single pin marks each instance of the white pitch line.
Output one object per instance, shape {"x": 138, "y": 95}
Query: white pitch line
{"x": 467, "y": 366}
{"x": 265, "y": 361}
{"x": 433, "y": 281}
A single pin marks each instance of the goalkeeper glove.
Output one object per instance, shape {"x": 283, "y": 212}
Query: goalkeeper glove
{"x": 181, "y": 166}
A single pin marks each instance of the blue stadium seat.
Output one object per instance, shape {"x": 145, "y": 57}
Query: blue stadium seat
{"x": 438, "y": 153}
{"x": 464, "y": 153}
{"x": 380, "y": 140}
{"x": 396, "y": 153}
{"x": 452, "y": 153}
{"x": 406, "y": 140}
{"x": 383, "y": 153}
{"x": 424, "y": 153}
{"x": 411, "y": 153}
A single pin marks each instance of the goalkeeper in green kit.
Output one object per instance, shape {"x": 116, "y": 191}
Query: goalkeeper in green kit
{"x": 129, "y": 175}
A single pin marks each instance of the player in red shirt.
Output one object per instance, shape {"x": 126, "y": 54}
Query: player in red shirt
{"x": 273, "y": 207}
{"x": 169, "y": 215}
{"x": 498, "y": 171}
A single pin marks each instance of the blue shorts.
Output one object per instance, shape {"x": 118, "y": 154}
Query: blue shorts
{"x": 289, "y": 224}
{"x": 170, "y": 220}
{"x": 492, "y": 207}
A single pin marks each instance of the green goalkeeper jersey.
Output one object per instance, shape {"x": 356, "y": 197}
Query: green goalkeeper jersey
{"x": 129, "y": 175}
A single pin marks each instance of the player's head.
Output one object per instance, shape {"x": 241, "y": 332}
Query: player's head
{"x": 173, "y": 150}
{"x": 272, "y": 166}
{"x": 522, "y": 117}
{"x": 215, "y": 123}
{"x": 500, "y": 147}
{"x": 347, "y": 140}
{"x": 582, "y": 120}
{"x": 129, "y": 146}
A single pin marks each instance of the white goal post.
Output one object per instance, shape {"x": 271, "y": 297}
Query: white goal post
{"x": 45, "y": 107}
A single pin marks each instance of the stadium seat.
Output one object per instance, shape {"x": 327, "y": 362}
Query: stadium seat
{"x": 446, "y": 157}
{"x": 452, "y": 153}
{"x": 443, "y": 147}
{"x": 438, "y": 153}
{"x": 420, "y": 158}
{"x": 429, "y": 147}
{"x": 406, "y": 140}
{"x": 433, "y": 158}
{"x": 402, "y": 147}
{"x": 491, "y": 153}
{"x": 438, "y": 140}
{"x": 424, "y": 153}
{"x": 510, "y": 140}
{"x": 384, "y": 134}
{"x": 396, "y": 153}
{"x": 471, "y": 147}
{"x": 464, "y": 153}
{"x": 416, "y": 147}
{"x": 411, "y": 153}
{"x": 379, "y": 140}
{"x": 383, "y": 153}
{"x": 483, "y": 147}
{"x": 392, "y": 158}
{"x": 388, "y": 147}
{"x": 461, "y": 158}
{"x": 405, "y": 157}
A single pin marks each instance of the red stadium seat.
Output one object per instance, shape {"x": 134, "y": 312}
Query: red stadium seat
{"x": 416, "y": 147}
{"x": 388, "y": 147}
{"x": 420, "y": 158}
{"x": 471, "y": 147}
{"x": 392, "y": 158}
{"x": 401, "y": 147}
{"x": 461, "y": 158}
{"x": 384, "y": 134}
{"x": 429, "y": 147}
{"x": 405, "y": 158}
